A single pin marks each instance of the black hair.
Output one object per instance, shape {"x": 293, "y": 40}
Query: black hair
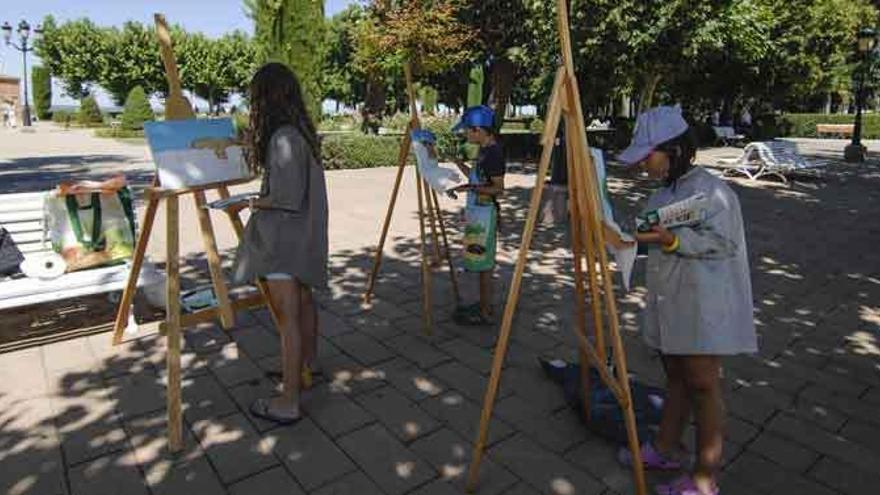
{"x": 682, "y": 150}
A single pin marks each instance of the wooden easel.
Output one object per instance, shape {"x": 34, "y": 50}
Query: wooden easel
{"x": 178, "y": 108}
{"x": 588, "y": 237}
{"x": 427, "y": 200}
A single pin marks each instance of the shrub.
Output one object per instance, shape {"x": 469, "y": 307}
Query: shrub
{"x": 118, "y": 133}
{"x": 42, "y": 82}
{"x": 63, "y": 116}
{"x": 137, "y": 110}
{"x": 537, "y": 126}
{"x": 89, "y": 113}
{"x": 356, "y": 150}
{"x": 449, "y": 147}
{"x": 804, "y": 124}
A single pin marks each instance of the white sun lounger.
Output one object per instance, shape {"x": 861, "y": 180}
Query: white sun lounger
{"x": 773, "y": 158}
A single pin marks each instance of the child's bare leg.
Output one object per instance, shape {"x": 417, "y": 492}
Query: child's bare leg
{"x": 703, "y": 378}
{"x": 309, "y": 325}
{"x": 676, "y": 407}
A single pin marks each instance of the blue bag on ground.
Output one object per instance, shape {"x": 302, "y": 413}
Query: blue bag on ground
{"x": 606, "y": 416}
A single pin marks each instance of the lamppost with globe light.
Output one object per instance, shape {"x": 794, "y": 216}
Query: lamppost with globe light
{"x": 855, "y": 151}
{"x": 24, "y": 32}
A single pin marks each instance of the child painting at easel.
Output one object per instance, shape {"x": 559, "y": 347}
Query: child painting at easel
{"x": 285, "y": 241}
{"x": 485, "y": 186}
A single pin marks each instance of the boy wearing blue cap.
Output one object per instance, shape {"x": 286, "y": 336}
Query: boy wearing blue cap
{"x": 485, "y": 185}
{"x": 699, "y": 302}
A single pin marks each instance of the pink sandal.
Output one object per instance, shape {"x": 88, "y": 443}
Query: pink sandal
{"x": 651, "y": 458}
{"x": 683, "y": 485}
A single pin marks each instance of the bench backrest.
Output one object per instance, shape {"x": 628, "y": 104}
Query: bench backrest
{"x": 22, "y": 215}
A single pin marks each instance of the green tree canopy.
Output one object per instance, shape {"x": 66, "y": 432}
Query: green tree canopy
{"x": 137, "y": 110}
{"x": 42, "y": 90}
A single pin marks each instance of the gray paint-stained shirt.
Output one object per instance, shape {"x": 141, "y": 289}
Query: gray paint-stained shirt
{"x": 700, "y": 297}
{"x": 291, "y": 236}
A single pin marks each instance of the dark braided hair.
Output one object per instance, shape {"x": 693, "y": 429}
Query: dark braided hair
{"x": 682, "y": 150}
{"x": 276, "y": 100}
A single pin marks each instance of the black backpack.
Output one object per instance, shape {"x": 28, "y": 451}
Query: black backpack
{"x": 10, "y": 255}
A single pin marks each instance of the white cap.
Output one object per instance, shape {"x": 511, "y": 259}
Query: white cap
{"x": 653, "y": 127}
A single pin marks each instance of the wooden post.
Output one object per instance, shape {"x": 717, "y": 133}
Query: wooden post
{"x": 588, "y": 237}
{"x": 426, "y": 271}
{"x": 122, "y": 312}
{"x": 452, "y": 275}
{"x": 435, "y": 241}
{"x": 221, "y": 292}
{"x": 552, "y": 124}
{"x": 172, "y": 324}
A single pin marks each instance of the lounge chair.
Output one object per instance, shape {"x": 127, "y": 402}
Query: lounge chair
{"x": 773, "y": 158}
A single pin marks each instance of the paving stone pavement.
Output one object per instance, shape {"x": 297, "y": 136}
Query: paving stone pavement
{"x": 396, "y": 410}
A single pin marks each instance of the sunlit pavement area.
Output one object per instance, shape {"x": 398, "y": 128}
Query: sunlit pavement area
{"x": 396, "y": 411}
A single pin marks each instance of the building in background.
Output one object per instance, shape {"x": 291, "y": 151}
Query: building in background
{"x": 10, "y": 104}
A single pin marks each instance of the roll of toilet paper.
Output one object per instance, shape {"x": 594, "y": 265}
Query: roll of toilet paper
{"x": 44, "y": 267}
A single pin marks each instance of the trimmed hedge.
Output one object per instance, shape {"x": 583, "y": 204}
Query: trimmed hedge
{"x": 356, "y": 150}
{"x": 118, "y": 133}
{"x": 89, "y": 113}
{"x": 804, "y": 124}
{"x": 42, "y": 90}
{"x": 137, "y": 110}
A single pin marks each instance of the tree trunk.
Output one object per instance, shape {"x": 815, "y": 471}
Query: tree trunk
{"x": 827, "y": 103}
{"x": 374, "y": 104}
{"x": 646, "y": 99}
{"x": 501, "y": 79}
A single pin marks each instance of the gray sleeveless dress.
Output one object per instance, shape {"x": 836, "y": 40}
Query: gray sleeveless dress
{"x": 291, "y": 236}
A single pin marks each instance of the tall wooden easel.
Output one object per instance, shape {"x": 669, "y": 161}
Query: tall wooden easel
{"x": 178, "y": 108}
{"x": 588, "y": 237}
{"x": 427, "y": 200}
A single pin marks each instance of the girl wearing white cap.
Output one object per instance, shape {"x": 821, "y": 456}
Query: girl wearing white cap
{"x": 699, "y": 302}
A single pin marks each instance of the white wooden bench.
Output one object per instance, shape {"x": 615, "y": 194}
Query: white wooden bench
{"x": 22, "y": 215}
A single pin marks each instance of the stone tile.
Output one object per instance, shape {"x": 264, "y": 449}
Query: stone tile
{"x": 470, "y": 383}
{"x": 309, "y": 454}
{"x": 547, "y": 472}
{"x": 334, "y": 412}
{"x": 767, "y": 477}
{"x": 75, "y": 354}
{"x": 136, "y": 395}
{"x": 363, "y": 348}
{"x": 403, "y": 418}
{"x": 439, "y": 487}
{"x": 373, "y": 326}
{"x": 271, "y": 482}
{"x": 417, "y": 351}
{"x": 468, "y": 354}
{"x": 256, "y": 341}
{"x": 29, "y": 450}
{"x": 523, "y": 489}
{"x": 414, "y": 382}
{"x": 555, "y": 433}
{"x": 232, "y": 367}
{"x": 393, "y": 467}
{"x": 235, "y": 449}
{"x": 88, "y": 427}
{"x": 786, "y": 453}
{"x": 862, "y": 433}
{"x": 109, "y": 475}
{"x": 127, "y": 357}
{"x": 739, "y": 431}
{"x": 855, "y": 408}
{"x": 206, "y": 338}
{"x": 244, "y": 395}
{"x": 450, "y": 454}
{"x": 598, "y": 457}
{"x": 845, "y": 478}
{"x": 463, "y": 416}
{"x": 355, "y": 483}
{"x": 331, "y": 325}
{"x": 344, "y": 374}
{"x": 204, "y": 398}
{"x": 27, "y": 366}
{"x": 532, "y": 385}
{"x": 825, "y": 443}
{"x": 167, "y": 473}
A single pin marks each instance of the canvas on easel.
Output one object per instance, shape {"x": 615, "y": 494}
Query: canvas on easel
{"x": 192, "y": 157}
{"x": 429, "y": 213}
{"x": 589, "y": 237}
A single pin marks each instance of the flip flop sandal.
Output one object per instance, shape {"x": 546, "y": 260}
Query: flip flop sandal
{"x": 260, "y": 409}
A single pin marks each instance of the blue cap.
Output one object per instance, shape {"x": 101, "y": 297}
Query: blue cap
{"x": 653, "y": 127}
{"x": 423, "y": 136}
{"x": 479, "y": 116}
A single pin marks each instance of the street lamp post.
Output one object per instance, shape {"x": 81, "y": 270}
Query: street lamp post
{"x": 24, "y": 32}
{"x": 855, "y": 151}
